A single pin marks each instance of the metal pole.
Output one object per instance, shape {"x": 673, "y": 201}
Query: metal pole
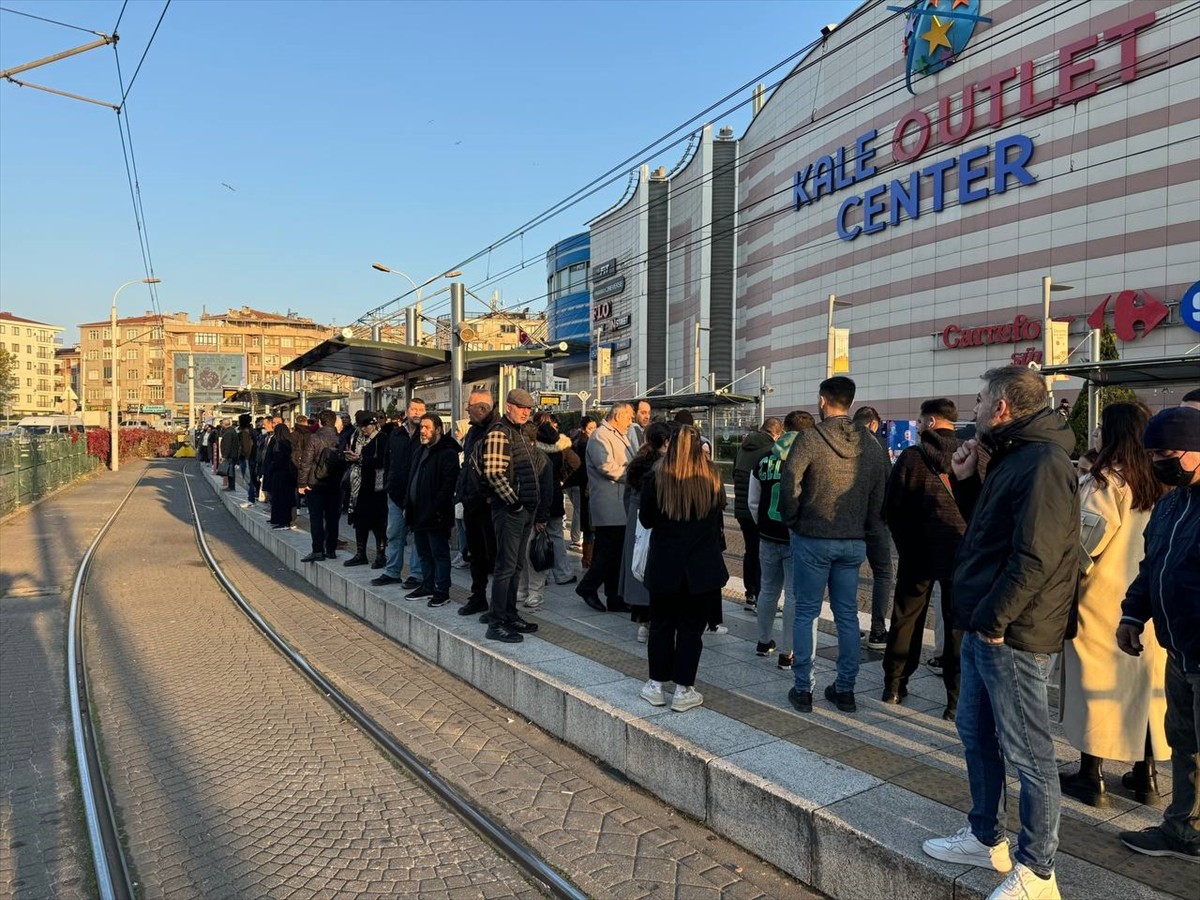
{"x": 191, "y": 393}
{"x": 599, "y": 377}
{"x": 1047, "y": 345}
{"x": 829, "y": 338}
{"x": 457, "y": 350}
{"x": 303, "y": 393}
{"x": 696, "y": 357}
{"x": 762, "y": 394}
{"x": 1093, "y": 393}
{"x": 411, "y": 324}
{"x": 115, "y": 463}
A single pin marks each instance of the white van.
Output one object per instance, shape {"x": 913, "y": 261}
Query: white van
{"x": 37, "y": 426}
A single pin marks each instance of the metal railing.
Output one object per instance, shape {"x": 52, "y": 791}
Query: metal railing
{"x": 32, "y": 467}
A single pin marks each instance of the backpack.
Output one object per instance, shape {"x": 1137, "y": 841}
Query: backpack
{"x": 329, "y": 466}
{"x": 769, "y": 471}
{"x": 474, "y": 487}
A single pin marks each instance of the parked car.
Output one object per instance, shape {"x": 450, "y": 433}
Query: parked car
{"x": 134, "y": 423}
{"x": 37, "y": 426}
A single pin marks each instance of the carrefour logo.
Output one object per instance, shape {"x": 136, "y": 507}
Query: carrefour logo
{"x": 936, "y": 31}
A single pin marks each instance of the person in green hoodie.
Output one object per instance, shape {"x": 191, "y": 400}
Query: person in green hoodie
{"x": 775, "y": 541}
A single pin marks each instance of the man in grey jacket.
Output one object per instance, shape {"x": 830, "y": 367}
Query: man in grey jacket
{"x": 831, "y": 497}
{"x": 608, "y": 456}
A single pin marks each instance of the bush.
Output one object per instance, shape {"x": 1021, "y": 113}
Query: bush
{"x": 132, "y": 443}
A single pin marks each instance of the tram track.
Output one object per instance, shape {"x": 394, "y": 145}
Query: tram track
{"x": 111, "y": 868}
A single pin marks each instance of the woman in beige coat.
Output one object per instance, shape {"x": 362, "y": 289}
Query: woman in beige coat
{"x": 1113, "y": 705}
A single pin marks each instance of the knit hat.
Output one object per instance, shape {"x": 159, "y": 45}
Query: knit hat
{"x": 1177, "y": 428}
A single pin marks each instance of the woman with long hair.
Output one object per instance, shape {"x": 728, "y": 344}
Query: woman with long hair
{"x": 279, "y": 478}
{"x": 683, "y": 503}
{"x": 368, "y": 460}
{"x": 655, "y": 442}
{"x": 1113, "y": 705}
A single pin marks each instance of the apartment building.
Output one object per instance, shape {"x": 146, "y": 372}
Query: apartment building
{"x": 32, "y": 344}
{"x": 66, "y": 379}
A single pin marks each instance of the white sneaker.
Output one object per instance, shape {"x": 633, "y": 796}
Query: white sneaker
{"x": 458, "y": 562}
{"x": 717, "y": 629}
{"x": 964, "y": 848}
{"x": 685, "y": 698}
{"x": 1023, "y": 884}
{"x": 533, "y": 603}
{"x": 643, "y": 634}
{"x": 652, "y": 693}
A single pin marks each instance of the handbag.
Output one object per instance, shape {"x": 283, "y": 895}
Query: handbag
{"x": 641, "y": 551}
{"x": 224, "y": 467}
{"x": 541, "y": 551}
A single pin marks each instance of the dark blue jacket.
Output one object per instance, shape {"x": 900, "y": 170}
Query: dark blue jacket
{"x": 1167, "y": 586}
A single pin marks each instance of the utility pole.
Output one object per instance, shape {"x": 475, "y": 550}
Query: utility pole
{"x": 191, "y": 393}
{"x": 114, "y": 444}
{"x": 457, "y": 349}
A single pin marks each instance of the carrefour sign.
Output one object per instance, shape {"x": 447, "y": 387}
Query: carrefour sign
{"x": 982, "y": 170}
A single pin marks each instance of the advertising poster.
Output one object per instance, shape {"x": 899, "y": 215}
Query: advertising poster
{"x": 900, "y": 434}
{"x": 213, "y": 372}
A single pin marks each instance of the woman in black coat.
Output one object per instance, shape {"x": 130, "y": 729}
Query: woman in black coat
{"x": 279, "y": 477}
{"x": 683, "y": 502}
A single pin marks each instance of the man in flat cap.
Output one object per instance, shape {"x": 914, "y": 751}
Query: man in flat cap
{"x": 1167, "y": 588}
{"x": 511, "y": 475}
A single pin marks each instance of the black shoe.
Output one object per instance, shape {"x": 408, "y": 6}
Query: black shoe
{"x": 421, "y": 593}
{"x": 409, "y": 583}
{"x": 1142, "y": 783}
{"x": 571, "y": 580}
{"x": 472, "y": 606}
{"x": 592, "y": 599}
{"x": 331, "y": 554}
{"x": 1157, "y": 841}
{"x": 520, "y": 626}
{"x": 785, "y": 660}
{"x": 380, "y": 580}
{"x": 486, "y": 618}
{"x": 801, "y": 700}
{"x": 438, "y": 600}
{"x": 877, "y": 640}
{"x": 890, "y": 697}
{"x": 315, "y": 556}
{"x": 503, "y": 634}
{"x": 843, "y": 700}
{"x": 765, "y": 649}
{"x": 1085, "y": 789}
{"x": 619, "y": 606}
{"x": 358, "y": 559}
{"x": 949, "y": 714}
{"x": 380, "y": 561}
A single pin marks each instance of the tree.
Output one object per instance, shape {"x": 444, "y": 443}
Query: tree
{"x": 8, "y": 381}
{"x": 1079, "y": 413}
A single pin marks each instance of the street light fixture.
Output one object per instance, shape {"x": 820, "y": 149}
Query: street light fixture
{"x": 416, "y": 322}
{"x": 114, "y": 462}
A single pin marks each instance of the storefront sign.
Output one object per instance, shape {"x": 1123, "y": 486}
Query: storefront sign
{"x": 604, "y": 270}
{"x": 622, "y": 361}
{"x": 623, "y": 344}
{"x": 620, "y": 322}
{"x": 1189, "y": 307}
{"x": 609, "y": 288}
{"x": 601, "y": 311}
{"x": 981, "y": 170}
{"x": 1022, "y": 328}
{"x": 1127, "y": 314}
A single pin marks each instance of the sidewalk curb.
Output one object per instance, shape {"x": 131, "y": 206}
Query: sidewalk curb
{"x": 842, "y": 831}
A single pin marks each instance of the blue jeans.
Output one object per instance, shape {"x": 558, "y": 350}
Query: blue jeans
{"x": 775, "y": 560}
{"x": 433, "y": 549}
{"x": 397, "y": 537}
{"x": 816, "y": 564}
{"x": 1003, "y": 717}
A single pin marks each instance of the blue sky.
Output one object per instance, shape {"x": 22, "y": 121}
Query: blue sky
{"x": 415, "y": 134}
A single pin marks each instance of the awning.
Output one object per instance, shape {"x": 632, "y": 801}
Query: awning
{"x": 1134, "y": 373}
{"x": 270, "y": 397}
{"x": 702, "y": 400}
{"x": 380, "y": 361}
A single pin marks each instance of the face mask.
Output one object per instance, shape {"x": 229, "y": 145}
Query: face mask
{"x": 1171, "y": 472}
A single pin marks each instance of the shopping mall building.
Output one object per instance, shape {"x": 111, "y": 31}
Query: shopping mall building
{"x": 928, "y": 167}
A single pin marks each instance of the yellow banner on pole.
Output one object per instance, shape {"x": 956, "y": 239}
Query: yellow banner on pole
{"x": 841, "y": 350}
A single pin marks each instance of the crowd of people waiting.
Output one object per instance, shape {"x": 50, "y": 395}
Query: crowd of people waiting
{"x": 1035, "y": 562}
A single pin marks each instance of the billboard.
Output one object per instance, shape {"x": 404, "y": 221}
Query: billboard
{"x": 213, "y": 372}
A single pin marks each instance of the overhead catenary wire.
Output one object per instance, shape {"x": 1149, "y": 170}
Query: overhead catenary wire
{"x": 162, "y": 15}
{"x": 795, "y": 134}
{"x": 120, "y": 16}
{"x": 52, "y": 21}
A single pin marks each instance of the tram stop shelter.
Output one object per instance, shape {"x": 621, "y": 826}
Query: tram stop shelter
{"x": 252, "y": 399}
{"x": 1165, "y": 371}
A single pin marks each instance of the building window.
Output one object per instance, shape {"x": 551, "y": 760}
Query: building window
{"x": 131, "y": 334}
{"x": 254, "y": 340}
{"x": 106, "y": 335}
{"x": 43, "y": 385}
{"x": 108, "y": 373}
{"x": 106, "y": 353}
{"x": 156, "y": 333}
{"x": 131, "y": 353}
{"x": 93, "y": 375}
{"x": 28, "y": 382}
{"x": 1, "y": 329}
{"x": 93, "y": 334}
{"x": 92, "y": 355}
{"x": 131, "y": 394}
{"x": 285, "y": 342}
{"x": 202, "y": 339}
{"x": 16, "y": 348}
{"x": 231, "y": 340}
{"x": 29, "y": 399}
{"x": 155, "y": 392}
{"x": 29, "y": 365}
{"x": 156, "y": 352}
{"x": 134, "y": 374}
{"x": 29, "y": 349}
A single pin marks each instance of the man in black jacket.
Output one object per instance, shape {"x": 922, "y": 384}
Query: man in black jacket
{"x": 927, "y": 527}
{"x": 477, "y": 516}
{"x": 1167, "y": 588}
{"x": 1015, "y": 585}
{"x": 429, "y": 508}
{"x": 403, "y": 443}
{"x": 324, "y": 494}
{"x": 754, "y": 448}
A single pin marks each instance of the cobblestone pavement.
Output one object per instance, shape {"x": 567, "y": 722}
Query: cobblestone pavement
{"x": 610, "y": 838}
{"x": 43, "y": 844}
{"x": 232, "y": 777}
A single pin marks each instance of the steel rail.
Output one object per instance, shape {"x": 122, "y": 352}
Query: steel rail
{"x": 108, "y": 858}
{"x": 491, "y": 831}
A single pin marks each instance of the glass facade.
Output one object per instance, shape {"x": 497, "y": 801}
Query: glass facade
{"x": 568, "y": 301}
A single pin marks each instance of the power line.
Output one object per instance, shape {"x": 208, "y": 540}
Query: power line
{"x": 120, "y": 16}
{"x": 125, "y": 92}
{"x": 51, "y": 21}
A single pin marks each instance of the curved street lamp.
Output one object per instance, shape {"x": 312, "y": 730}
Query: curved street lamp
{"x": 380, "y": 267}
{"x": 114, "y": 461}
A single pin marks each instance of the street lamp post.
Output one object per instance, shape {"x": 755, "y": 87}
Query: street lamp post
{"x": 416, "y": 306}
{"x": 115, "y": 463}
{"x": 1048, "y": 286}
